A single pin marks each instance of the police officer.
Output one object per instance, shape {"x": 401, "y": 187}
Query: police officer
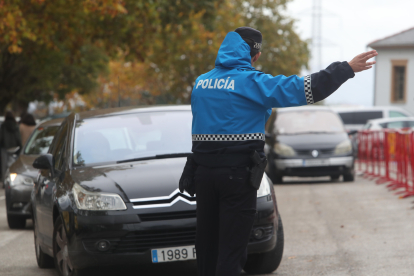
{"x": 230, "y": 106}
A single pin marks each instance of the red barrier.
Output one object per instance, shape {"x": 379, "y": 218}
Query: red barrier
{"x": 388, "y": 156}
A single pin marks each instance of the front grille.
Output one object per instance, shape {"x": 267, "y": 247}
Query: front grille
{"x": 315, "y": 171}
{"x": 168, "y": 216}
{"x": 320, "y": 151}
{"x": 140, "y": 241}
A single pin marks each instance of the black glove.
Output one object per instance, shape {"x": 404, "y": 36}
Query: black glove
{"x": 187, "y": 182}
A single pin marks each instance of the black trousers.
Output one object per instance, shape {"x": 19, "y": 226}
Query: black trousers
{"x": 226, "y": 207}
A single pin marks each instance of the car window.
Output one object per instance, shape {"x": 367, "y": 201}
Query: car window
{"x": 383, "y": 125}
{"x": 361, "y": 118}
{"x": 394, "y": 114}
{"x": 347, "y": 117}
{"x": 40, "y": 140}
{"x": 121, "y": 137}
{"x": 308, "y": 121}
{"x": 409, "y": 124}
{"x": 59, "y": 146}
{"x": 398, "y": 124}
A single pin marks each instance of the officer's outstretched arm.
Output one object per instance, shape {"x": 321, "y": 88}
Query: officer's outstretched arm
{"x": 322, "y": 84}
{"x": 281, "y": 91}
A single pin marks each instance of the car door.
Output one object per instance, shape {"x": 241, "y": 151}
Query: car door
{"x": 48, "y": 186}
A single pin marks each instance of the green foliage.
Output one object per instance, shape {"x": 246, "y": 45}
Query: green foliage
{"x": 192, "y": 51}
{"x": 61, "y": 45}
{"x": 283, "y": 52}
{"x": 36, "y": 71}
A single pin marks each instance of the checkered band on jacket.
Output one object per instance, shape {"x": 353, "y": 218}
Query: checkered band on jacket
{"x": 308, "y": 90}
{"x": 228, "y": 137}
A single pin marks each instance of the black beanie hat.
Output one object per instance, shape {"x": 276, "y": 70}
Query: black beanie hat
{"x": 252, "y": 37}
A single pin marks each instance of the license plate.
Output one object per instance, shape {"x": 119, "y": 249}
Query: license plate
{"x": 173, "y": 254}
{"x": 315, "y": 162}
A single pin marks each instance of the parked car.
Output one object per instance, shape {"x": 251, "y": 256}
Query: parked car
{"x": 390, "y": 123}
{"x": 107, "y": 194}
{"x": 355, "y": 118}
{"x": 21, "y": 174}
{"x": 308, "y": 141}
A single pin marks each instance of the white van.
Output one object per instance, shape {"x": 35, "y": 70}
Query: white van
{"x": 355, "y": 118}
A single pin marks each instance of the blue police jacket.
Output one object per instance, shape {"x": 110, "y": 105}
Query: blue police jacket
{"x": 232, "y": 102}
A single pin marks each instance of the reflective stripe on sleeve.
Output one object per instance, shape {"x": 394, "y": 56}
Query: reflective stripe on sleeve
{"x": 228, "y": 137}
{"x": 308, "y": 90}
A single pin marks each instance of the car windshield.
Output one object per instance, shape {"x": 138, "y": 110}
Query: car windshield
{"x": 41, "y": 139}
{"x": 132, "y": 136}
{"x": 308, "y": 121}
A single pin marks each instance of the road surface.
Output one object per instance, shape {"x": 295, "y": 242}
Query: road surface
{"x": 331, "y": 228}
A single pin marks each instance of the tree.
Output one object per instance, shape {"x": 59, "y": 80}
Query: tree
{"x": 34, "y": 73}
{"x": 180, "y": 54}
{"x": 63, "y": 36}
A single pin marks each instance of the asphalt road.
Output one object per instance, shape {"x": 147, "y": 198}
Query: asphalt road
{"x": 331, "y": 228}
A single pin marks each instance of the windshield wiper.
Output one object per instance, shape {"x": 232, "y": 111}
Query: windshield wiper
{"x": 158, "y": 156}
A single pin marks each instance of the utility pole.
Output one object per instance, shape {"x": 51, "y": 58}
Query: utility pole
{"x": 317, "y": 35}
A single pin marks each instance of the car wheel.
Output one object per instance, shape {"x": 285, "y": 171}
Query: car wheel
{"x": 43, "y": 260}
{"x": 60, "y": 251}
{"x": 264, "y": 263}
{"x": 349, "y": 177}
{"x": 335, "y": 177}
{"x": 16, "y": 222}
{"x": 276, "y": 179}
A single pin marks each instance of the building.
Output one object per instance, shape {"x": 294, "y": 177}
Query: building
{"x": 394, "y": 71}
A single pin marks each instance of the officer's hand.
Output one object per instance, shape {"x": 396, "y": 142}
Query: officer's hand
{"x": 359, "y": 63}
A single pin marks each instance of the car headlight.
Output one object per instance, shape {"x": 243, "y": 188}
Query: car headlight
{"x": 96, "y": 201}
{"x": 284, "y": 150}
{"x": 344, "y": 148}
{"x": 264, "y": 189}
{"x": 18, "y": 179}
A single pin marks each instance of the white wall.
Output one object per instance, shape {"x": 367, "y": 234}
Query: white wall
{"x": 383, "y": 77}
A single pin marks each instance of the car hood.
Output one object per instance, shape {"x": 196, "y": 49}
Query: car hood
{"x": 150, "y": 178}
{"x": 24, "y": 165}
{"x": 313, "y": 141}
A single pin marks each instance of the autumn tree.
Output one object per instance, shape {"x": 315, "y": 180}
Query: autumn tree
{"x": 180, "y": 54}
{"x": 64, "y": 44}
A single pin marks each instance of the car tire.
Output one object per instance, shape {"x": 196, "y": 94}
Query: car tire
{"x": 43, "y": 260}
{"x": 335, "y": 177}
{"x": 61, "y": 257}
{"x": 349, "y": 178}
{"x": 16, "y": 222}
{"x": 264, "y": 263}
{"x": 276, "y": 179}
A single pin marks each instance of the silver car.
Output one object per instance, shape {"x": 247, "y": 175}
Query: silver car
{"x": 20, "y": 176}
{"x": 308, "y": 141}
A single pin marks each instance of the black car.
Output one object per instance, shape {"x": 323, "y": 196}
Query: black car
{"x": 107, "y": 194}
{"x": 21, "y": 174}
{"x": 308, "y": 141}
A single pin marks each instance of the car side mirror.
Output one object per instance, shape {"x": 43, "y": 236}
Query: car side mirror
{"x": 13, "y": 150}
{"x": 44, "y": 162}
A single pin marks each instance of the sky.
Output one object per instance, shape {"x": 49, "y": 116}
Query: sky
{"x": 348, "y": 26}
